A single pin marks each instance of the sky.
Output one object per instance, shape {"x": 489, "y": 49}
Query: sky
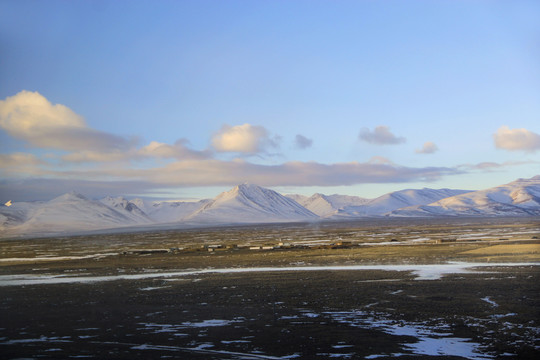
{"x": 185, "y": 99}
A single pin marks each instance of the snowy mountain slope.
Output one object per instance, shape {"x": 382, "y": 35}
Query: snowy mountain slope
{"x": 328, "y": 205}
{"x": 126, "y": 208}
{"x": 69, "y": 212}
{"x": 298, "y": 198}
{"x": 169, "y": 211}
{"x": 396, "y": 200}
{"x": 249, "y": 203}
{"x": 16, "y": 214}
{"x": 518, "y": 198}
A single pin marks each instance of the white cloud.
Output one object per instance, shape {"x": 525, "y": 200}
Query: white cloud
{"x": 516, "y": 139}
{"x": 103, "y": 162}
{"x": 177, "y": 151}
{"x": 247, "y": 139}
{"x": 29, "y": 116}
{"x": 380, "y": 136}
{"x": 161, "y": 150}
{"x": 302, "y": 142}
{"x": 428, "y": 148}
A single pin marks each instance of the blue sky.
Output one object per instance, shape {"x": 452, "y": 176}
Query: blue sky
{"x": 184, "y": 99}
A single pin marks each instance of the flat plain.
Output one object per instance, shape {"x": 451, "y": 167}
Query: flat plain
{"x": 367, "y": 289}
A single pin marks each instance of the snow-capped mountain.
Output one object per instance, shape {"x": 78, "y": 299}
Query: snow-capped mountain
{"x": 518, "y": 198}
{"x": 69, "y": 212}
{"x": 396, "y": 200}
{"x": 328, "y": 205}
{"x": 249, "y": 203}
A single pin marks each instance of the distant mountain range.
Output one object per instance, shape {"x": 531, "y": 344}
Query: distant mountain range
{"x": 248, "y": 203}
{"x": 518, "y": 198}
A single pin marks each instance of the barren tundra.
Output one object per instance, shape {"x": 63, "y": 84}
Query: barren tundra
{"x": 438, "y": 289}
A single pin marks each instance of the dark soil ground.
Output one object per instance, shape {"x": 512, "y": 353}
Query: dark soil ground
{"x": 363, "y": 314}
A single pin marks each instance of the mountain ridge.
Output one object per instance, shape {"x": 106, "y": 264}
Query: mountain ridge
{"x": 248, "y": 204}
{"x": 260, "y": 204}
{"x": 517, "y": 198}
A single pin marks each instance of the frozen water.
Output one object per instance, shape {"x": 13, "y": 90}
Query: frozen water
{"x": 422, "y": 272}
{"x": 490, "y": 302}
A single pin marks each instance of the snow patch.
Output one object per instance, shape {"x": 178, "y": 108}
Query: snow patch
{"x": 422, "y": 272}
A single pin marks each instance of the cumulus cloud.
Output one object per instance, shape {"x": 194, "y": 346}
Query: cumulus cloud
{"x": 29, "y": 116}
{"x": 246, "y": 139}
{"x": 516, "y": 139}
{"x": 380, "y": 136}
{"x": 428, "y": 148}
{"x": 302, "y": 142}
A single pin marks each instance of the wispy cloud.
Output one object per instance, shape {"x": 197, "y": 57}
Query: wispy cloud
{"x": 302, "y": 142}
{"x": 154, "y": 149}
{"x": 88, "y": 156}
{"x": 428, "y": 148}
{"x": 20, "y": 159}
{"x": 246, "y": 139}
{"x": 516, "y": 139}
{"x": 218, "y": 172}
{"x": 16, "y": 164}
{"x": 380, "y": 136}
{"x": 489, "y": 166}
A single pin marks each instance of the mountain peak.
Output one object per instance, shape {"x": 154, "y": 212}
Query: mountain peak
{"x": 525, "y": 181}
{"x": 70, "y": 196}
{"x": 247, "y": 186}
{"x": 251, "y": 203}
{"x": 246, "y": 190}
